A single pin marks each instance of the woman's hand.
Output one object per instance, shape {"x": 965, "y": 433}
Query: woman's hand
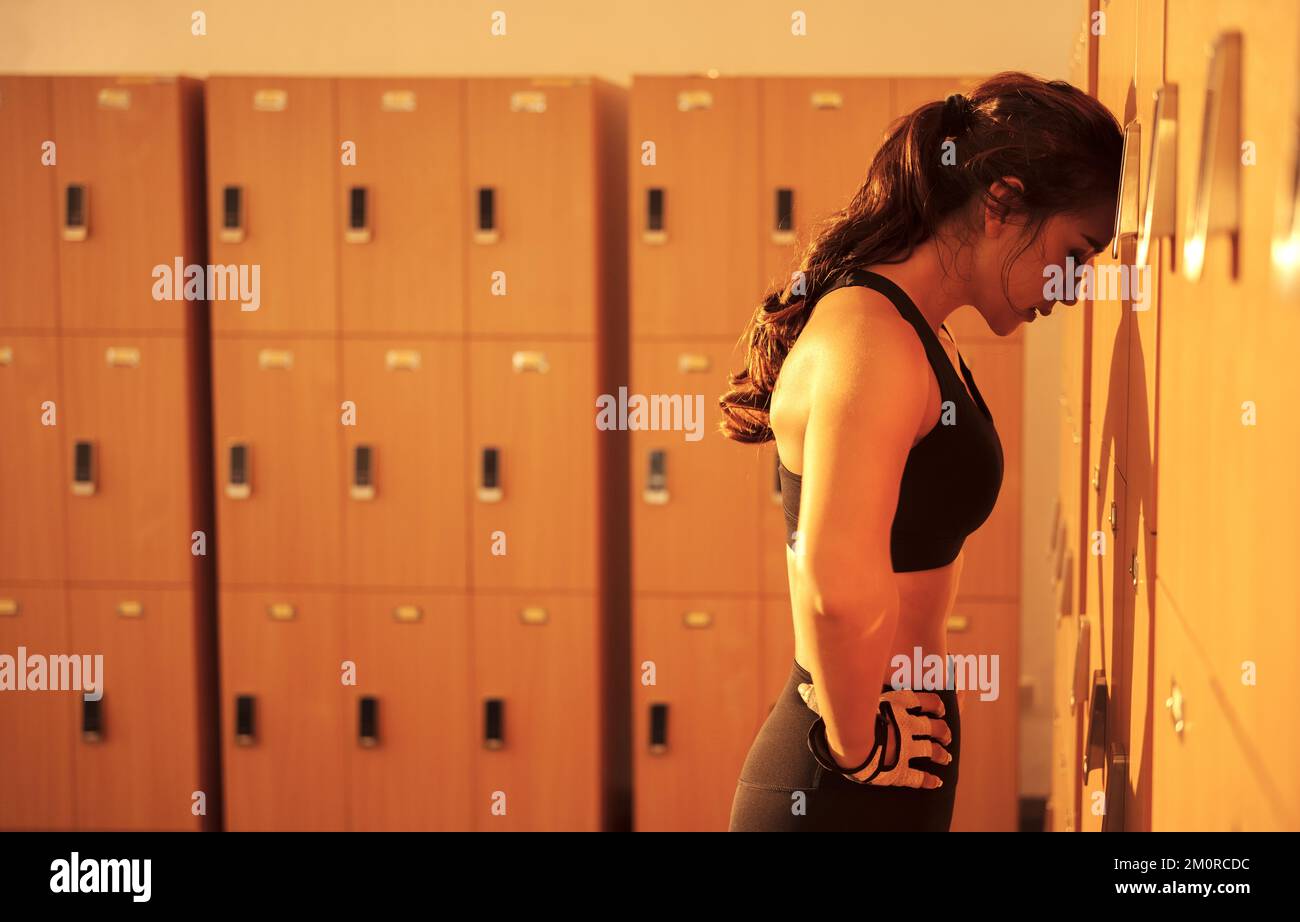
{"x": 905, "y": 715}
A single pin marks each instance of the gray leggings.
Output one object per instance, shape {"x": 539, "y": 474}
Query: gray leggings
{"x": 783, "y": 788}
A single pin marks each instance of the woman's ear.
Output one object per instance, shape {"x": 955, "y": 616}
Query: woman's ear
{"x": 1003, "y": 197}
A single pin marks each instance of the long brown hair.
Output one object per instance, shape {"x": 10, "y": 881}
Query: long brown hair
{"x": 1062, "y": 144}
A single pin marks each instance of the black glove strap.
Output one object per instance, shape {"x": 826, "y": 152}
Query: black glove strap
{"x": 821, "y": 751}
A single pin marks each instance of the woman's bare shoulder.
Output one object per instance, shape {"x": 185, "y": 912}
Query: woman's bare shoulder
{"x": 854, "y": 327}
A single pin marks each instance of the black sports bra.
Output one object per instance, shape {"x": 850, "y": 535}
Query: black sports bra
{"x": 953, "y": 475}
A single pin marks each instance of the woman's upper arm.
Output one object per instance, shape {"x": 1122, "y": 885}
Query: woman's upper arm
{"x": 867, "y": 399}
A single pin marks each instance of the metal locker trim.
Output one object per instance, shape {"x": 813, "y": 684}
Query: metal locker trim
{"x": 8, "y": 608}
{"x": 1215, "y": 205}
{"x": 1159, "y": 220}
{"x": 697, "y": 619}
{"x": 397, "y": 101}
{"x": 534, "y": 614}
{"x": 407, "y": 614}
{"x": 526, "y": 360}
{"x": 130, "y": 608}
{"x": 826, "y": 99}
{"x": 533, "y": 101}
{"x": 122, "y": 356}
{"x": 281, "y": 611}
{"x": 114, "y": 98}
{"x": 402, "y": 359}
{"x": 692, "y": 362}
{"x": 274, "y": 358}
{"x": 1126, "y": 203}
{"x": 6, "y": 355}
{"x": 270, "y": 100}
{"x": 958, "y": 622}
{"x": 692, "y": 100}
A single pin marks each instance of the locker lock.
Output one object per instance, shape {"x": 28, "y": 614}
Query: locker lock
{"x": 658, "y": 729}
{"x": 358, "y": 229}
{"x": 83, "y": 468}
{"x": 76, "y": 211}
{"x": 654, "y": 232}
{"x": 245, "y": 726}
{"x": 489, "y": 487}
{"x": 232, "y": 215}
{"x": 368, "y": 722}
{"x": 363, "y": 480}
{"x": 656, "y": 487}
{"x": 494, "y": 724}
{"x": 486, "y": 232}
{"x": 239, "y": 483}
{"x": 1114, "y": 518}
{"x": 783, "y": 222}
{"x": 1176, "y": 705}
{"x": 92, "y": 720}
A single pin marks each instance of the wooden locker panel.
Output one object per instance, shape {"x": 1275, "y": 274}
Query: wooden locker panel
{"x": 537, "y": 709}
{"x": 39, "y": 727}
{"x": 777, "y": 650}
{"x": 409, "y": 758}
{"x": 694, "y": 276}
{"x": 274, "y": 138}
{"x": 284, "y": 651}
{"x": 534, "y": 403}
{"x": 400, "y": 271}
{"x": 122, "y": 139}
{"x": 702, "y": 654}
{"x": 404, "y": 523}
{"x": 129, "y": 397}
{"x": 991, "y": 556}
{"x": 33, "y": 470}
{"x": 818, "y": 136}
{"x": 280, "y": 399}
{"x": 532, "y": 256}
{"x": 143, "y": 771}
{"x": 696, "y": 531}
{"x": 912, "y": 92}
{"x": 1064, "y": 800}
{"x": 28, "y": 211}
{"x": 988, "y": 790}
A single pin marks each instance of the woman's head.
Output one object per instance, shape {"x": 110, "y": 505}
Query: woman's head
{"x": 1017, "y": 177}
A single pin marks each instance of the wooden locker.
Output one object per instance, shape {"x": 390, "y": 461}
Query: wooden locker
{"x": 530, "y": 148}
{"x": 122, "y": 145}
{"x": 695, "y": 225}
{"x": 988, "y": 790}
{"x": 911, "y": 92}
{"x": 401, "y": 209}
{"x": 410, "y": 714}
{"x": 33, "y": 471}
{"x": 273, "y": 153}
{"x": 280, "y": 488}
{"x": 132, "y": 518}
{"x": 28, "y": 212}
{"x": 284, "y": 727}
{"x": 538, "y": 748}
{"x": 697, "y": 708}
{"x": 39, "y": 727}
{"x": 694, "y": 516}
{"x": 147, "y": 761}
{"x": 818, "y": 136}
{"x": 532, "y": 463}
{"x": 404, "y": 485}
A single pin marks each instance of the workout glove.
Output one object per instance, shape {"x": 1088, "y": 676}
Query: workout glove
{"x": 903, "y": 715}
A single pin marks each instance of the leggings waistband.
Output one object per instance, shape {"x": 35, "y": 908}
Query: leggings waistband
{"x": 803, "y": 675}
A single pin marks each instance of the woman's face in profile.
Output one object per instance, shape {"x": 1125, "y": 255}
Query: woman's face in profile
{"x": 1066, "y": 242}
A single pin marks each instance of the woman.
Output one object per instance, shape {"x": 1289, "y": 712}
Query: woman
{"x": 888, "y": 454}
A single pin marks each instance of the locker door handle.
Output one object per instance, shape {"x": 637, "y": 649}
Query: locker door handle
{"x": 245, "y": 724}
{"x": 489, "y": 487}
{"x": 92, "y": 720}
{"x": 76, "y": 212}
{"x": 1095, "y": 750}
{"x": 1215, "y": 200}
{"x": 240, "y": 482}
{"x": 232, "y": 214}
{"x": 363, "y": 483}
{"x": 494, "y": 723}
{"x": 1116, "y": 788}
{"x": 783, "y": 226}
{"x": 1176, "y": 704}
{"x": 655, "y": 232}
{"x": 1126, "y": 202}
{"x": 83, "y": 468}
{"x": 487, "y": 232}
{"x": 1081, "y": 651}
{"x": 358, "y": 216}
{"x": 1158, "y": 217}
{"x": 368, "y": 722}
{"x": 656, "y": 488}
{"x": 658, "y": 729}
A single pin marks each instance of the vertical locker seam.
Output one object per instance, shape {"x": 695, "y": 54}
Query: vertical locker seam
{"x": 469, "y": 609}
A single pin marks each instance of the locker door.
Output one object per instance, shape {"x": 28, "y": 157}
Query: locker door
{"x": 283, "y": 725}
{"x": 130, "y": 502}
{"x": 142, "y": 768}
{"x": 694, "y": 516}
{"x": 404, "y": 463}
{"x": 28, "y": 267}
{"x": 410, "y": 713}
{"x": 530, "y": 160}
{"x": 533, "y": 465}
{"x": 401, "y": 207}
{"x": 33, "y": 474}
{"x": 38, "y": 727}
{"x": 272, "y": 160}
{"x": 695, "y": 724}
{"x": 818, "y": 136}
{"x": 991, "y": 556}
{"x": 695, "y": 222}
{"x": 910, "y": 92}
{"x": 537, "y": 742}
{"x": 988, "y": 794}
{"x": 120, "y": 143}
{"x": 276, "y": 416}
